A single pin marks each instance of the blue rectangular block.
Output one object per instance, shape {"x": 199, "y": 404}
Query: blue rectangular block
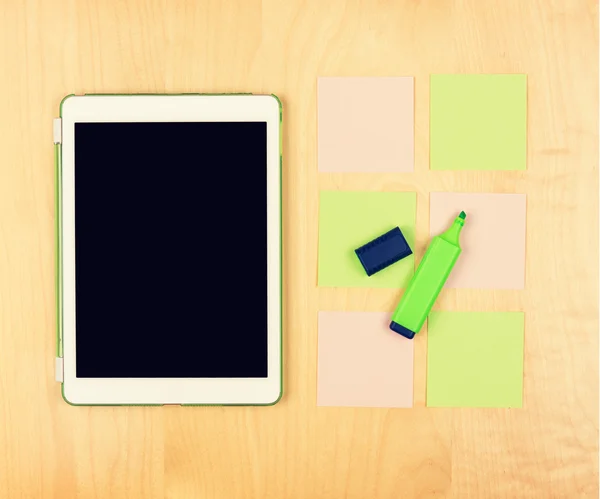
{"x": 383, "y": 251}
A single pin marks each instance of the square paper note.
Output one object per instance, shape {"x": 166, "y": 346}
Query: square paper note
{"x": 492, "y": 240}
{"x": 478, "y": 122}
{"x": 362, "y": 363}
{"x": 475, "y": 359}
{"x": 347, "y": 220}
{"x": 366, "y": 124}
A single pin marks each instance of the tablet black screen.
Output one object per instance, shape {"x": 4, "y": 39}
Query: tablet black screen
{"x": 171, "y": 239}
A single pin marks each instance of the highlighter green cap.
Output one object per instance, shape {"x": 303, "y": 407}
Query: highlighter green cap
{"x": 428, "y": 281}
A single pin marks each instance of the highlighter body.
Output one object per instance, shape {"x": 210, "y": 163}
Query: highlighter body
{"x": 428, "y": 280}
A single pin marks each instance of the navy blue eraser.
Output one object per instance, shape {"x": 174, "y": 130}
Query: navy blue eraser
{"x": 383, "y": 251}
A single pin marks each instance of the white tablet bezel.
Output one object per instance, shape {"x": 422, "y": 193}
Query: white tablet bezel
{"x": 176, "y": 108}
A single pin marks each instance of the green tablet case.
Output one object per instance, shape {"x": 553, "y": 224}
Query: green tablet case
{"x": 57, "y": 139}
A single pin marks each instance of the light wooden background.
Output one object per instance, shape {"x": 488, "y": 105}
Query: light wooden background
{"x": 549, "y": 449}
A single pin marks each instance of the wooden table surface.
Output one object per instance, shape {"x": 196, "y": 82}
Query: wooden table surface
{"x": 548, "y": 449}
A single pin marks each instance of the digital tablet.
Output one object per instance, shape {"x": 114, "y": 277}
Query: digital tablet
{"x": 169, "y": 249}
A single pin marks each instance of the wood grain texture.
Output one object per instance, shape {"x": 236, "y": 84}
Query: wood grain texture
{"x": 549, "y": 449}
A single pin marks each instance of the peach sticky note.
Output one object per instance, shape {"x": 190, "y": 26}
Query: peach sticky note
{"x": 366, "y": 124}
{"x": 492, "y": 240}
{"x": 362, "y": 363}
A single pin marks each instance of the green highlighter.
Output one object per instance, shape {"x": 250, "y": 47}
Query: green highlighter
{"x": 428, "y": 281}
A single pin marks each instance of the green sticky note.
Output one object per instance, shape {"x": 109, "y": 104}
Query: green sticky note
{"x": 347, "y": 220}
{"x": 475, "y": 359}
{"x": 478, "y": 122}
